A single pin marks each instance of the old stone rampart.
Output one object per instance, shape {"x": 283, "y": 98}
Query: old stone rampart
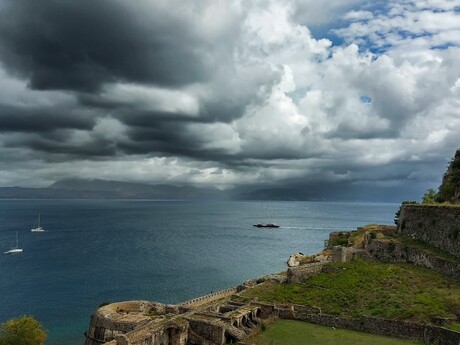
{"x": 209, "y": 298}
{"x": 435, "y": 225}
{"x": 392, "y": 251}
{"x": 117, "y": 318}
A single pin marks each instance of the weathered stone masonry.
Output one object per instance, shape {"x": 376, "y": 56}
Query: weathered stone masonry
{"x": 435, "y": 225}
{"x": 206, "y": 320}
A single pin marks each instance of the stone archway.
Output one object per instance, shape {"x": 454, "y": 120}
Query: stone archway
{"x": 230, "y": 339}
{"x": 244, "y": 320}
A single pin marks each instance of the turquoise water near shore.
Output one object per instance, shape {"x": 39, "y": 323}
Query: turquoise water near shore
{"x": 98, "y": 251}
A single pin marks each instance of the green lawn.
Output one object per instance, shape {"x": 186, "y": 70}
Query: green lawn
{"x": 393, "y": 291}
{"x": 285, "y": 332}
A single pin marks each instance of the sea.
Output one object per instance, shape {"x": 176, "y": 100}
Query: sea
{"x": 98, "y": 251}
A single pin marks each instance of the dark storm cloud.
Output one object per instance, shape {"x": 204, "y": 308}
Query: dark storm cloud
{"x": 153, "y": 119}
{"x": 168, "y": 138}
{"x": 42, "y": 120}
{"x": 80, "y": 45}
{"x": 88, "y": 48}
{"x": 57, "y": 149}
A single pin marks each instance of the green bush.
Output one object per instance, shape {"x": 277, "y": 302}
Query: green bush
{"x": 430, "y": 197}
{"x": 23, "y": 331}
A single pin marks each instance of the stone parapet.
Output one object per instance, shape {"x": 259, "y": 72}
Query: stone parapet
{"x": 209, "y": 298}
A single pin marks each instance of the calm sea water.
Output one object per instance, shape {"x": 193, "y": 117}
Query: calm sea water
{"x": 167, "y": 251}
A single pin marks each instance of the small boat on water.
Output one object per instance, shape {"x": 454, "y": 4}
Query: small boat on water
{"x": 266, "y": 225}
{"x": 269, "y": 224}
{"x": 16, "y": 249}
{"x": 37, "y": 227}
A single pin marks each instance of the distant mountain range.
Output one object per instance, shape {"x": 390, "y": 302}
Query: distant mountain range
{"x": 129, "y": 190}
{"x": 103, "y": 189}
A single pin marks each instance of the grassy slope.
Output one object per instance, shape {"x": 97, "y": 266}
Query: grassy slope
{"x": 396, "y": 291}
{"x": 285, "y": 332}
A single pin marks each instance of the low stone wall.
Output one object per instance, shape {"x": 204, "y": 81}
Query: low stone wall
{"x": 392, "y": 251}
{"x": 347, "y": 254}
{"x": 295, "y": 275}
{"x": 172, "y": 333}
{"x": 393, "y": 328}
{"x": 436, "y": 225}
{"x": 209, "y": 298}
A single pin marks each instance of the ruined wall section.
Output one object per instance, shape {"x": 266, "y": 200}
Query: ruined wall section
{"x": 203, "y": 331}
{"x": 296, "y": 275}
{"x": 435, "y": 225}
{"x": 391, "y": 251}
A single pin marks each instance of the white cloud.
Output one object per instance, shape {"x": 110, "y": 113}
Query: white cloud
{"x": 151, "y": 98}
{"x": 358, "y": 15}
{"x": 407, "y": 25}
{"x": 313, "y": 12}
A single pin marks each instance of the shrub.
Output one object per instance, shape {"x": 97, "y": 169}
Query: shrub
{"x": 430, "y": 197}
{"x": 23, "y": 331}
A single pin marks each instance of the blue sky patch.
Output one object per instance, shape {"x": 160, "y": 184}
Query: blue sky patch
{"x": 365, "y": 99}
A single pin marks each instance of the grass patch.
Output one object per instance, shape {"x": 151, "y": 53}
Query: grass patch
{"x": 285, "y": 332}
{"x": 455, "y": 326}
{"x": 394, "y": 291}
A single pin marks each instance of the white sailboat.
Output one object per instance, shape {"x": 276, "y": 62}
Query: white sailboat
{"x": 14, "y": 249}
{"x": 37, "y": 227}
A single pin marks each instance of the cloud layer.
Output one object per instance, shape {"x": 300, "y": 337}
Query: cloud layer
{"x": 229, "y": 93}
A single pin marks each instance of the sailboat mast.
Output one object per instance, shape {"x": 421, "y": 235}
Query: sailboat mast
{"x": 17, "y": 240}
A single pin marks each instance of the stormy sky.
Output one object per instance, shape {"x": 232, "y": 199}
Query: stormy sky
{"x": 227, "y": 93}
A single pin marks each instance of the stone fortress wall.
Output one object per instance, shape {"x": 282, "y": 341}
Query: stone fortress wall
{"x": 435, "y": 225}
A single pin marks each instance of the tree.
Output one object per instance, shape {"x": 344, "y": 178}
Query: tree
{"x": 429, "y": 197}
{"x": 449, "y": 190}
{"x": 23, "y": 331}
